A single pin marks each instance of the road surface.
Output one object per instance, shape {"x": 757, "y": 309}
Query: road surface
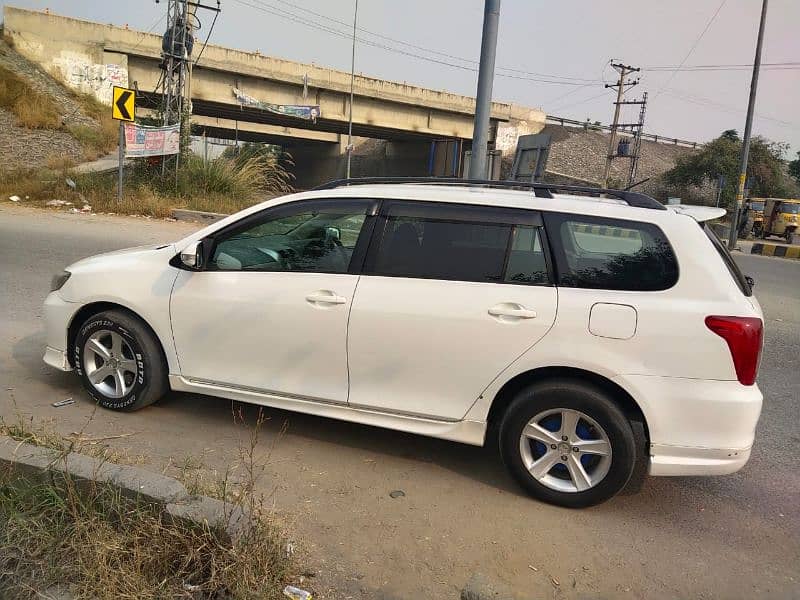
{"x": 728, "y": 537}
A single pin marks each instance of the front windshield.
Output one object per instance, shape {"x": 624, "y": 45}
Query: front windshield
{"x": 757, "y": 206}
{"x": 790, "y": 208}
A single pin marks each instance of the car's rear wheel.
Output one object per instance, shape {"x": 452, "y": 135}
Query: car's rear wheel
{"x": 119, "y": 361}
{"x": 567, "y": 443}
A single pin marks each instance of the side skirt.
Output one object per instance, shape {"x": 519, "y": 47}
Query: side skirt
{"x": 466, "y": 432}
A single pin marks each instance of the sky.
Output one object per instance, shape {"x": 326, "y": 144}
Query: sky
{"x": 552, "y": 55}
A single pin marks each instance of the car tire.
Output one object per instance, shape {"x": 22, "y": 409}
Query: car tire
{"x": 599, "y": 424}
{"x": 119, "y": 361}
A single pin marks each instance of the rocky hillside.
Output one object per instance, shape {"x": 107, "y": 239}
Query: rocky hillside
{"x": 42, "y": 123}
{"x": 581, "y": 154}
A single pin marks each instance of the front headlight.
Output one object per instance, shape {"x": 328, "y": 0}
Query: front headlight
{"x": 59, "y": 280}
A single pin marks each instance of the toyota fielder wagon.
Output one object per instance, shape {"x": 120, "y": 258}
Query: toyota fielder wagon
{"x": 596, "y": 339}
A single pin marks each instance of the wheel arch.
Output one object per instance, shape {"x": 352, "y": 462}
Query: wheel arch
{"x": 94, "y": 308}
{"x": 618, "y": 394}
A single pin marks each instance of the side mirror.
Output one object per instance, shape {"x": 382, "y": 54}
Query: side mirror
{"x": 750, "y": 281}
{"x": 192, "y": 256}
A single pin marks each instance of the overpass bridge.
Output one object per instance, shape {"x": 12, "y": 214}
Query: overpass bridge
{"x": 92, "y": 57}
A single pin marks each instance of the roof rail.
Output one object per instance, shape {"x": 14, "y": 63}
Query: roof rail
{"x": 543, "y": 190}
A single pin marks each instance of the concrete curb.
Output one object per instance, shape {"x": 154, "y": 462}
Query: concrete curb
{"x": 776, "y": 250}
{"x": 43, "y": 464}
{"x": 196, "y": 216}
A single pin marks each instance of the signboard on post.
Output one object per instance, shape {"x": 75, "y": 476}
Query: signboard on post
{"x": 123, "y": 104}
{"x": 123, "y": 109}
{"x": 152, "y": 141}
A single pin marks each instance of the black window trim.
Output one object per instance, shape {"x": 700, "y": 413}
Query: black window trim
{"x": 370, "y": 206}
{"x": 476, "y": 213}
{"x": 727, "y": 258}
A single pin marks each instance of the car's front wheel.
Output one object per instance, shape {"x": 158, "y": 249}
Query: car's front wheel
{"x": 567, "y": 443}
{"x": 119, "y": 361}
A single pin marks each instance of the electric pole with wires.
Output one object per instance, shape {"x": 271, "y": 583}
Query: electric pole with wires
{"x": 176, "y": 51}
{"x": 624, "y": 71}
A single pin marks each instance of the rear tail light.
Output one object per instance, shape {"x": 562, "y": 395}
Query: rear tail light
{"x": 744, "y": 336}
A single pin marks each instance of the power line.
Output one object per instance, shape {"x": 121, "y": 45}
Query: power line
{"x": 601, "y": 94}
{"x": 208, "y": 37}
{"x": 424, "y": 48}
{"x": 737, "y": 67}
{"x": 694, "y": 45}
{"x": 284, "y": 14}
{"x": 707, "y": 102}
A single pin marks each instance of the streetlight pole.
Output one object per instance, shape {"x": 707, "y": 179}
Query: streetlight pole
{"x": 483, "y": 98}
{"x": 733, "y": 234}
{"x": 352, "y": 83}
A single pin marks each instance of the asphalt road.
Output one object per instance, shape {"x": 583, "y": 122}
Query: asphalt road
{"x": 728, "y": 537}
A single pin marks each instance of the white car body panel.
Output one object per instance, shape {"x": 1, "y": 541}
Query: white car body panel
{"x": 274, "y": 339}
{"x": 139, "y": 279}
{"x": 405, "y": 334}
{"x": 424, "y": 355}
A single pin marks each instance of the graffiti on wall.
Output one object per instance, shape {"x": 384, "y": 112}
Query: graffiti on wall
{"x": 92, "y": 78}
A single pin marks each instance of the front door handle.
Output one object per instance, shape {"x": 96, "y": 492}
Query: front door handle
{"x": 323, "y": 297}
{"x": 511, "y": 311}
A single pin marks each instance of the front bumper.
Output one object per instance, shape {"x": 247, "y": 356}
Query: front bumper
{"x": 696, "y": 426}
{"x": 58, "y": 314}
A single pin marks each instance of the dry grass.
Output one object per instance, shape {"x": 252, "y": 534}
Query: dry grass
{"x": 96, "y": 141}
{"x": 221, "y": 186}
{"x": 102, "y": 545}
{"x": 32, "y": 109}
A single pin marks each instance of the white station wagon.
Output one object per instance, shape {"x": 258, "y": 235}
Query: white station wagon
{"x": 597, "y": 338}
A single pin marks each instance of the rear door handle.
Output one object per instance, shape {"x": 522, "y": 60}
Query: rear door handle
{"x": 324, "y": 297}
{"x": 511, "y": 310}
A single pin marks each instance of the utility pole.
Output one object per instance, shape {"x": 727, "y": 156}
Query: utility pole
{"x": 624, "y": 71}
{"x": 637, "y": 140}
{"x": 483, "y": 98}
{"x": 352, "y": 83}
{"x": 733, "y": 234}
{"x": 176, "y": 50}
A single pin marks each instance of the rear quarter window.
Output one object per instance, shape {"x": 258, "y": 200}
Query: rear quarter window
{"x": 611, "y": 254}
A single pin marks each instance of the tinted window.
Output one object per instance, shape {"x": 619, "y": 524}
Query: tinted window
{"x": 526, "y": 261}
{"x": 611, "y": 254}
{"x": 456, "y": 244}
{"x": 310, "y": 239}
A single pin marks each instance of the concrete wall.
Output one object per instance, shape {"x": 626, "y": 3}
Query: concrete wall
{"x": 92, "y": 57}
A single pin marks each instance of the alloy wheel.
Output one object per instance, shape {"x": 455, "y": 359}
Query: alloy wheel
{"x": 109, "y": 363}
{"x": 565, "y": 450}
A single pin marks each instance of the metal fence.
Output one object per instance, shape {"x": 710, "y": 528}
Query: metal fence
{"x": 589, "y": 126}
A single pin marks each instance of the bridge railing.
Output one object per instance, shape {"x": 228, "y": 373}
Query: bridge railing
{"x": 588, "y": 125}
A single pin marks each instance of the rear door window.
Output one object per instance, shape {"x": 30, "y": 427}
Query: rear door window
{"x": 612, "y": 254}
{"x": 460, "y": 243}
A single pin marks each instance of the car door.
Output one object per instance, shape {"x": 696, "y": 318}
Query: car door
{"x": 450, "y": 296}
{"x": 269, "y": 311}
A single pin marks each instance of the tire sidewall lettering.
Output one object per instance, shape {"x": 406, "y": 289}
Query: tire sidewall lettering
{"x": 139, "y": 383}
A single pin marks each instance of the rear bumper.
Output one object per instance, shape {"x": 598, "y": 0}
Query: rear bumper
{"x": 683, "y": 460}
{"x": 696, "y": 426}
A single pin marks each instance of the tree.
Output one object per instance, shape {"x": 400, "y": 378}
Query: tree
{"x": 766, "y": 169}
{"x": 794, "y": 167}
